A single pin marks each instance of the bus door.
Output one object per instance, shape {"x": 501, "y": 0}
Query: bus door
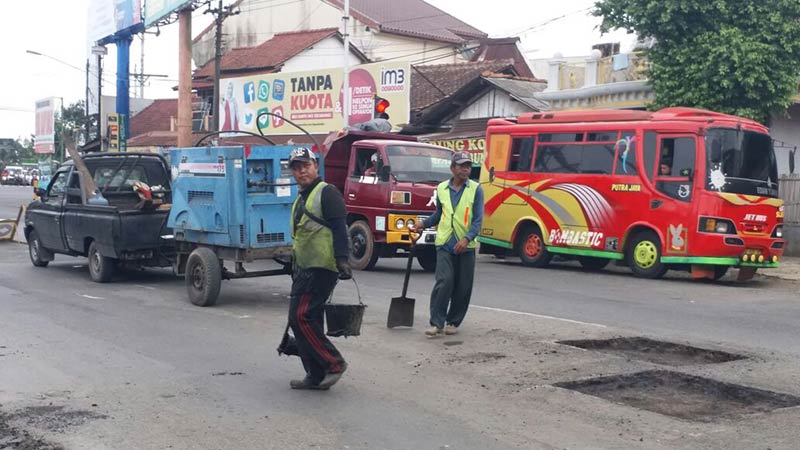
{"x": 671, "y": 207}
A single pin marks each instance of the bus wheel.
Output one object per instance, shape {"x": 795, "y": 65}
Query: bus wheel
{"x": 593, "y": 263}
{"x": 531, "y": 249}
{"x": 720, "y": 271}
{"x": 364, "y": 252}
{"x": 644, "y": 256}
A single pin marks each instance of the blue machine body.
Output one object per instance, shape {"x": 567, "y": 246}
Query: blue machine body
{"x": 227, "y": 196}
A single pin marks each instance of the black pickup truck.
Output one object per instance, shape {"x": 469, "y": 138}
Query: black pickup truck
{"x": 124, "y": 229}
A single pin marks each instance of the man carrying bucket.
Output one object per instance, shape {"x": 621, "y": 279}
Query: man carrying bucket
{"x": 320, "y": 256}
{"x": 459, "y": 213}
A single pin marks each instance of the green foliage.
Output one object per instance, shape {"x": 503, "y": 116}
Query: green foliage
{"x": 71, "y": 118}
{"x": 739, "y": 57}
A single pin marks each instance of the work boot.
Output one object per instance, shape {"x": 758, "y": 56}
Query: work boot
{"x": 450, "y": 330}
{"x": 307, "y": 383}
{"x": 332, "y": 378}
{"x": 433, "y": 331}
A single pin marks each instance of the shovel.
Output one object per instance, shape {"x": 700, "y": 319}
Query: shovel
{"x": 401, "y": 310}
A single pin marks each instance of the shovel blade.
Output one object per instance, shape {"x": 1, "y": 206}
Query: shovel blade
{"x": 401, "y": 312}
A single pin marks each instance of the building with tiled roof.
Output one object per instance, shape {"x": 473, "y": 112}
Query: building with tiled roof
{"x": 380, "y": 29}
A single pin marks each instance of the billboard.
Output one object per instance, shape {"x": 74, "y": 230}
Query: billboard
{"x": 107, "y": 17}
{"x": 474, "y": 146}
{"x": 313, "y": 99}
{"x": 44, "y": 142}
{"x": 155, "y": 10}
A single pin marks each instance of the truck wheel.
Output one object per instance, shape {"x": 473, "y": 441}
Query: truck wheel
{"x": 100, "y": 267}
{"x": 40, "y": 256}
{"x": 531, "y": 249}
{"x": 644, "y": 256}
{"x": 427, "y": 259}
{"x": 203, "y": 277}
{"x": 593, "y": 263}
{"x": 364, "y": 252}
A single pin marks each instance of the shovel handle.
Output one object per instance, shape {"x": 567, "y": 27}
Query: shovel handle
{"x": 414, "y": 237}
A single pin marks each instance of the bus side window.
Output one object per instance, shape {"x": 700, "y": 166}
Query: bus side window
{"x": 521, "y": 155}
{"x": 626, "y": 154}
{"x": 676, "y": 167}
{"x": 650, "y": 143}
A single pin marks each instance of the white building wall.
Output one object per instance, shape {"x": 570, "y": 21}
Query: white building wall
{"x": 494, "y": 103}
{"x": 323, "y": 55}
{"x": 259, "y": 21}
{"x": 787, "y": 129}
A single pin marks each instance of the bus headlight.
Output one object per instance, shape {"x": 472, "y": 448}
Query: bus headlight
{"x": 712, "y": 225}
{"x": 400, "y": 224}
{"x": 778, "y": 232}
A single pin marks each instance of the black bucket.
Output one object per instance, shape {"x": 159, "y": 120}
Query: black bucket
{"x": 344, "y": 319}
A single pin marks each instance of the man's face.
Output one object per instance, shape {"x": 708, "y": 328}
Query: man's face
{"x": 665, "y": 169}
{"x": 461, "y": 171}
{"x": 304, "y": 172}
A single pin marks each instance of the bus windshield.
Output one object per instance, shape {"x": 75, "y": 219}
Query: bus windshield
{"x": 741, "y": 162}
{"x": 419, "y": 164}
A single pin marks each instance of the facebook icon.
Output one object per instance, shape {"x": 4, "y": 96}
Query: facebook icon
{"x": 249, "y": 92}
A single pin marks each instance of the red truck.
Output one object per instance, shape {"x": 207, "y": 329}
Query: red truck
{"x": 388, "y": 182}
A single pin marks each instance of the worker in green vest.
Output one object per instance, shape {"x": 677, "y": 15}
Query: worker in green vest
{"x": 320, "y": 256}
{"x": 459, "y": 213}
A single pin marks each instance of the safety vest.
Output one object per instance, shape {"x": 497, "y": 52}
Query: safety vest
{"x": 313, "y": 241}
{"x": 455, "y": 220}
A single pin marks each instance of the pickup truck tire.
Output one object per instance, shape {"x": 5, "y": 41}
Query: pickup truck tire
{"x": 101, "y": 268}
{"x": 40, "y": 256}
{"x": 364, "y": 252}
{"x": 426, "y": 257}
{"x": 203, "y": 277}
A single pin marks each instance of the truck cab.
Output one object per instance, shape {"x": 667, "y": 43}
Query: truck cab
{"x": 388, "y": 182}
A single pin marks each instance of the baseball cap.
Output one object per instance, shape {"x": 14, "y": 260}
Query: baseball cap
{"x": 301, "y": 154}
{"x": 461, "y": 158}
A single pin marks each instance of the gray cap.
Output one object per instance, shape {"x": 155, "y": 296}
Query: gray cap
{"x": 461, "y": 158}
{"x": 301, "y": 154}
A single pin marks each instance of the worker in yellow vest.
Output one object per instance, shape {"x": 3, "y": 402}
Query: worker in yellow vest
{"x": 459, "y": 213}
{"x": 320, "y": 256}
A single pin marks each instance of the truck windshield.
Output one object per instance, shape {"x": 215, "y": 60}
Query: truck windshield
{"x": 741, "y": 162}
{"x": 419, "y": 164}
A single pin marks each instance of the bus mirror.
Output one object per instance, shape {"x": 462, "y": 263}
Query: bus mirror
{"x": 491, "y": 174}
{"x": 384, "y": 172}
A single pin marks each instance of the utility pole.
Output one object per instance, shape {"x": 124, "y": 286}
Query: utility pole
{"x": 346, "y": 85}
{"x": 185, "y": 78}
{"x": 220, "y": 14}
{"x": 141, "y": 68}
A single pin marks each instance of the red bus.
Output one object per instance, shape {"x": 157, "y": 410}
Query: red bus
{"x": 680, "y": 188}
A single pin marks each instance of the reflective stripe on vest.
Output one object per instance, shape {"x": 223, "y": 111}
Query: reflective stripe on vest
{"x": 313, "y": 241}
{"x": 456, "y": 219}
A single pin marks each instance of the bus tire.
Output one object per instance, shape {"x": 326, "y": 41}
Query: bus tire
{"x": 593, "y": 263}
{"x": 720, "y": 271}
{"x": 531, "y": 247}
{"x": 364, "y": 252}
{"x": 644, "y": 256}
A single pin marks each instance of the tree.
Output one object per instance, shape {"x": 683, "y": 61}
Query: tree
{"x": 739, "y": 57}
{"x": 72, "y": 117}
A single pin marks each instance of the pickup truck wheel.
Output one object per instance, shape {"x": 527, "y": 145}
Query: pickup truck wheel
{"x": 101, "y": 268}
{"x": 40, "y": 256}
{"x": 364, "y": 252}
{"x": 426, "y": 257}
{"x": 203, "y": 277}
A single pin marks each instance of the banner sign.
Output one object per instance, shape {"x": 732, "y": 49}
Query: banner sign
{"x": 44, "y": 142}
{"x": 474, "y": 146}
{"x": 107, "y": 17}
{"x": 313, "y": 99}
{"x": 116, "y": 132}
{"x": 155, "y": 10}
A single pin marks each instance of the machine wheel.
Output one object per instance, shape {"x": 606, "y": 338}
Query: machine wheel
{"x": 101, "y": 268}
{"x": 644, "y": 256}
{"x": 593, "y": 263}
{"x": 531, "y": 249}
{"x": 40, "y": 256}
{"x": 364, "y": 252}
{"x": 427, "y": 258}
{"x": 203, "y": 277}
{"x": 720, "y": 271}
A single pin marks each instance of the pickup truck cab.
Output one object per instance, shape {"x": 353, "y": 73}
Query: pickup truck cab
{"x": 388, "y": 182}
{"x": 125, "y": 231}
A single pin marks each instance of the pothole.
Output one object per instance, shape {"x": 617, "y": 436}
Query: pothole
{"x": 658, "y": 352}
{"x": 54, "y": 418}
{"x": 683, "y": 396}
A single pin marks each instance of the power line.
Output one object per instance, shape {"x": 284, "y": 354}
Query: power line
{"x": 549, "y": 21}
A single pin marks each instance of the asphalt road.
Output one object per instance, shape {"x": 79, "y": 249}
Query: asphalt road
{"x": 131, "y": 364}
{"x": 11, "y": 197}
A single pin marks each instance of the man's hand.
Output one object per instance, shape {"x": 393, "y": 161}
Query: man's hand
{"x": 418, "y": 226}
{"x": 461, "y": 245}
{"x": 345, "y": 271}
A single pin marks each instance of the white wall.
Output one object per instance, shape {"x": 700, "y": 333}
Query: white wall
{"x": 494, "y": 103}
{"x": 787, "y": 129}
{"x": 324, "y": 55}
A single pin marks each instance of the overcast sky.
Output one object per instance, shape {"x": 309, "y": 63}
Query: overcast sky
{"x": 57, "y": 28}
